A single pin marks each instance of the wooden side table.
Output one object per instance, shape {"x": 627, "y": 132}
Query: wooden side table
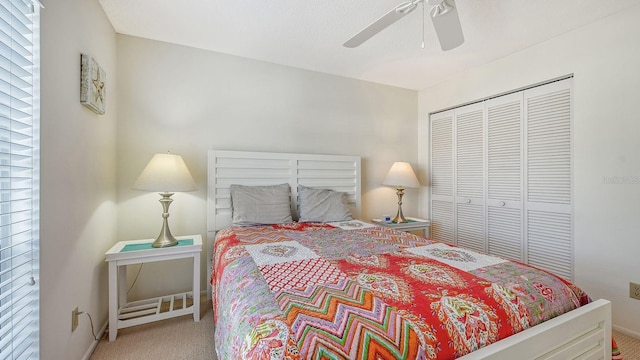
{"x": 411, "y": 225}
{"x": 123, "y": 314}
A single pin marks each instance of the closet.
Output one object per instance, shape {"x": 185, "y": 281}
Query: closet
{"x": 501, "y": 179}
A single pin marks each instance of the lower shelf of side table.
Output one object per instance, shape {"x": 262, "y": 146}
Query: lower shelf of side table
{"x": 154, "y": 309}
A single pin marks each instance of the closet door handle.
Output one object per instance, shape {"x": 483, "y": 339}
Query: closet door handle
{"x": 468, "y": 201}
{"x": 502, "y": 203}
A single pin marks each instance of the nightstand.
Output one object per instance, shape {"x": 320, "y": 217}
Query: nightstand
{"x": 411, "y": 225}
{"x": 123, "y": 314}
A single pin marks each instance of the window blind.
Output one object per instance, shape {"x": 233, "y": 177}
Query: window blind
{"x": 19, "y": 179}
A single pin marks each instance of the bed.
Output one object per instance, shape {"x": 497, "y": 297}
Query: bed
{"x": 348, "y": 289}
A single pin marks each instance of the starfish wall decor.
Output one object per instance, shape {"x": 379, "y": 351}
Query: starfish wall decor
{"x": 92, "y": 84}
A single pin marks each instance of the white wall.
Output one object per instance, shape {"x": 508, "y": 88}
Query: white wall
{"x": 78, "y": 211}
{"x": 188, "y": 101}
{"x": 604, "y": 57}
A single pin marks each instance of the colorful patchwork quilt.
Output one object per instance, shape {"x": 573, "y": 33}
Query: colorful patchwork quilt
{"x": 349, "y": 291}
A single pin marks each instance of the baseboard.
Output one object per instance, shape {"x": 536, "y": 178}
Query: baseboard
{"x": 94, "y": 343}
{"x": 633, "y": 334}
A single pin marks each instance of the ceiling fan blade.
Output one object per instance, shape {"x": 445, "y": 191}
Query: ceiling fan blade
{"x": 448, "y": 28}
{"x": 382, "y": 23}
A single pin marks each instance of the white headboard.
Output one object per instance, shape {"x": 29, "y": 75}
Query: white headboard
{"x": 336, "y": 172}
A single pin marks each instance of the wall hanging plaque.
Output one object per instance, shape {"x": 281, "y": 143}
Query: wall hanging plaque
{"x": 92, "y": 84}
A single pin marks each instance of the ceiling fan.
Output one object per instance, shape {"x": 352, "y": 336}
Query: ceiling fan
{"x": 444, "y": 17}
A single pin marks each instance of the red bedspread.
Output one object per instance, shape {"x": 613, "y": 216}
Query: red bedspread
{"x": 317, "y": 291}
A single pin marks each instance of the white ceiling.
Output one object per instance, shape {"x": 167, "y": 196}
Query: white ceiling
{"x": 309, "y": 34}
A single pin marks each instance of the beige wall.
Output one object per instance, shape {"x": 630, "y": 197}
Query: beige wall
{"x": 604, "y": 58}
{"x": 78, "y": 177}
{"x": 188, "y": 101}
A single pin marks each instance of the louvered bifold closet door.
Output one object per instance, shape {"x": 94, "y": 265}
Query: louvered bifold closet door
{"x": 442, "y": 222}
{"x": 504, "y": 177}
{"x": 469, "y": 175}
{"x": 548, "y": 220}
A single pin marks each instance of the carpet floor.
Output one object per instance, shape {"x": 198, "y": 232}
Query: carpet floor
{"x": 178, "y": 338}
{"x": 629, "y": 347}
{"x": 182, "y": 338}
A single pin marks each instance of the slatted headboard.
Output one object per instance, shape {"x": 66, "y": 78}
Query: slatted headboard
{"x": 336, "y": 172}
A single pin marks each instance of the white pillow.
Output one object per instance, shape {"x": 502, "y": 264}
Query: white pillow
{"x": 322, "y": 205}
{"x": 260, "y": 205}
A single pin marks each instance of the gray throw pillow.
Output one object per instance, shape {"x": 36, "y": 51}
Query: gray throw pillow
{"x": 260, "y": 205}
{"x": 322, "y": 205}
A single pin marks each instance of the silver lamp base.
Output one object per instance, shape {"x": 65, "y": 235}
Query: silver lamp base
{"x": 165, "y": 239}
{"x": 399, "y": 218}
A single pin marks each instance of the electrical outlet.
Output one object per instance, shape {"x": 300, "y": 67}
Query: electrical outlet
{"x": 74, "y": 319}
{"x": 634, "y": 291}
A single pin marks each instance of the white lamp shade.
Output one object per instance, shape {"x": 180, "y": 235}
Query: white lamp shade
{"x": 165, "y": 173}
{"x": 401, "y": 175}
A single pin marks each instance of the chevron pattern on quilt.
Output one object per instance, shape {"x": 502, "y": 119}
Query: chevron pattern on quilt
{"x": 348, "y": 322}
{"x": 260, "y": 234}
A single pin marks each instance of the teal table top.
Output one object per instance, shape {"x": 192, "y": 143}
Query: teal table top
{"x": 147, "y": 246}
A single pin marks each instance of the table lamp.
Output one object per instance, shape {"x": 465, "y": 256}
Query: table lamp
{"x": 166, "y": 174}
{"x": 400, "y": 176}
